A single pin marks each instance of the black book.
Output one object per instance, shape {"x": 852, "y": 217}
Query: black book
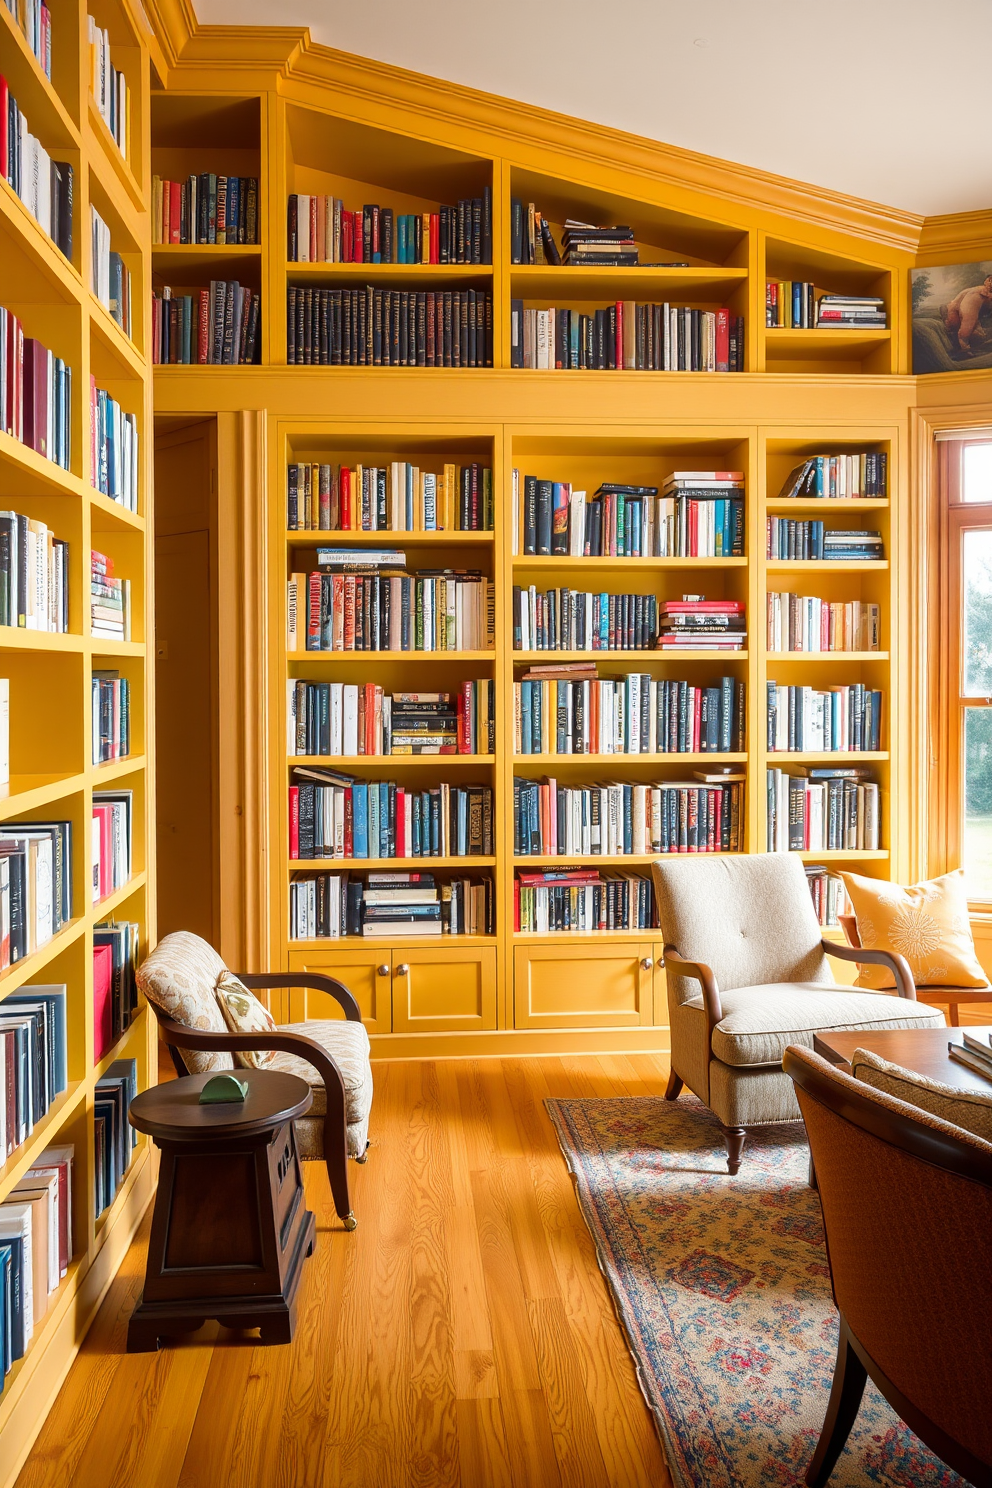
{"x": 487, "y": 225}
{"x": 292, "y": 228}
{"x": 62, "y": 217}
{"x": 516, "y": 230}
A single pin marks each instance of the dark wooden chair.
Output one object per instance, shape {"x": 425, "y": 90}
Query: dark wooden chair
{"x": 907, "y": 1210}
{"x": 949, "y": 997}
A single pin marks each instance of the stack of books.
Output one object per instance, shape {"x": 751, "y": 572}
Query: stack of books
{"x": 401, "y": 904}
{"x": 701, "y": 514}
{"x": 531, "y": 238}
{"x": 109, "y": 88}
{"x": 35, "y": 393}
{"x": 790, "y": 303}
{"x": 569, "y": 710}
{"x": 822, "y": 810}
{"x": 857, "y": 312}
{"x": 34, "y": 575}
{"x": 800, "y": 622}
{"x": 697, "y": 624}
{"x": 611, "y": 247}
{"x": 372, "y": 327}
{"x": 111, "y": 716}
{"x": 322, "y": 231}
{"x": 110, "y": 600}
{"x": 573, "y": 620}
{"x": 351, "y": 719}
{"x": 832, "y": 720}
{"x": 35, "y": 885}
{"x": 113, "y": 448}
{"x": 36, "y": 1246}
{"x": 838, "y": 477}
{"x": 975, "y": 1051}
{"x": 215, "y": 327}
{"x": 332, "y": 815}
{"x": 44, "y": 185}
{"x": 621, "y": 820}
{"x": 571, "y": 899}
{"x": 331, "y": 905}
{"x": 396, "y": 498}
{"x": 813, "y": 541}
{"x": 111, "y": 841}
{"x": 626, "y": 337}
{"x": 205, "y": 208}
{"x": 111, "y": 279}
{"x": 829, "y": 896}
{"x": 114, "y": 1138}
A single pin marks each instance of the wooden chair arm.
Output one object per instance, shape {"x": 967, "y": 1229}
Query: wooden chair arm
{"x": 701, "y": 973}
{"x": 257, "y": 980}
{"x": 898, "y": 965}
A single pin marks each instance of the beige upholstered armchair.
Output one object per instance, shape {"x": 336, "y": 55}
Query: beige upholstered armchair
{"x": 747, "y": 974}
{"x": 180, "y": 979}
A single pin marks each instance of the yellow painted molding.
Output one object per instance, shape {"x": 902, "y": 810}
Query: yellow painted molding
{"x": 172, "y": 23}
{"x": 955, "y": 238}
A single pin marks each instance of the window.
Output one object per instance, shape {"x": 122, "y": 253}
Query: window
{"x": 963, "y": 725}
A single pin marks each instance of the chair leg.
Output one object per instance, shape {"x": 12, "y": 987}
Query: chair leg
{"x": 675, "y": 1084}
{"x": 733, "y": 1136}
{"x": 842, "y": 1410}
{"x": 337, "y": 1172}
{"x": 954, "y": 1015}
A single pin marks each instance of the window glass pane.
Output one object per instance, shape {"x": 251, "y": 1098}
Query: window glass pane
{"x": 977, "y": 472}
{"x": 977, "y": 856}
{"x": 976, "y": 591}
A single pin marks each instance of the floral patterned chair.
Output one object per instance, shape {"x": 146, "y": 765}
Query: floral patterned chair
{"x": 209, "y": 1019}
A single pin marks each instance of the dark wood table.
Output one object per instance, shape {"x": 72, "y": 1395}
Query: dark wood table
{"x": 231, "y": 1228}
{"x": 923, "y": 1050}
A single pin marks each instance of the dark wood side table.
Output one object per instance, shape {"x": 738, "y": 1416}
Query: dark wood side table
{"x": 923, "y": 1050}
{"x": 231, "y": 1229}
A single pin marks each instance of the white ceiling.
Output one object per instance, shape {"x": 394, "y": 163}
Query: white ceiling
{"x": 882, "y": 99}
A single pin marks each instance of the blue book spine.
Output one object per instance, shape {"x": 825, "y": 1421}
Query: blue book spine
{"x": 360, "y": 819}
{"x": 526, "y": 718}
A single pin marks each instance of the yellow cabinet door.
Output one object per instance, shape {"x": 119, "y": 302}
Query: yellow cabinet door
{"x": 444, "y": 989}
{"x": 366, "y": 973}
{"x": 609, "y": 985}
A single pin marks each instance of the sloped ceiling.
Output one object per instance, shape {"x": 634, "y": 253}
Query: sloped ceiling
{"x": 881, "y": 99}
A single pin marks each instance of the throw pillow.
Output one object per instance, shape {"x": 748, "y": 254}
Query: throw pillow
{"x": 926, "y": 922}
{"x": 969, "y": 1109}
{"x": 179, "y": 977}
{"x": 243, "y": 1013}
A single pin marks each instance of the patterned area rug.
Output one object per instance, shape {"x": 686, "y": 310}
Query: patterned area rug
{"x": 723, "y": 1289}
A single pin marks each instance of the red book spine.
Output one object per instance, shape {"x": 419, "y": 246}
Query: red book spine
{"x": 175, "y": 212}
{"x": 693, "y": 529}
{"x": 618, "y": 347}
{"x": 723, "y": 340}
{"x": 357, "y": 238}
{"x": 516, "y": 904}
{"x": 202, "y": 332}
{"x": 103, "y": 1019}
{"x": 313, "y": 611}
{"x": 349, "y": 823}
{"x": 400, "y": 823}
{"x": 345, "y": 498}
{"x": 349, "y": 612}
{"x": 4, "y": 119}
{"x": 369, "y": 736}
{"x": 294, "y": 821}
{"x": 435, "y": 237}
{"x": 697, "y": 717}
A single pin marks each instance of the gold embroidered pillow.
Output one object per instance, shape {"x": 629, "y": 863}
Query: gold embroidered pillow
{"x": 243, "y": 1013}
{"x": 926, "y": 922}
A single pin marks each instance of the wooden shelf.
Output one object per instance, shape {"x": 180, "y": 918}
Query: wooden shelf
{"x": 108, "y": 161}
{"x": 403, "y": 761}
{"x": 388, "y": 539}
{"x": 821, "y": 344}
{"x": 393, "y": 276}
{"x": 530, "y": 560}
{"x": 410, "y": 942}
{"x": 825, "y": 565}
{"x": 594, "y": 860}
{"x": 635, "y": 661}
{"x": 405, "y": 656}
{"x": 620, "y": 760}
{"x": 388, "y": 865}
{"x": 851, "y": 855}
{"x": 827, "y": 756}
{"x": 566, "y": 283}
{"x": 774, "y": 657}
{"x": 826, "y": 505}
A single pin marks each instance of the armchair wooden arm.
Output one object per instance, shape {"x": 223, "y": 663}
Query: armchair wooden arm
{"x": 315, "y": 980}
{"x": 335, "y": 1119}
{"x": 898, "y": 965}
{"x": 701, "y": 973}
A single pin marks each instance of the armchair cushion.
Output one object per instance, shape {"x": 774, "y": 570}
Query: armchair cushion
{"x": 970, "y": 1109}
{"x": 925, "y": 922}
{"x": 180, "y": 976}
{"x": 348, "y": 1045}
{"x": 243, "y": 1013}
{"x": 759, "y": 1023}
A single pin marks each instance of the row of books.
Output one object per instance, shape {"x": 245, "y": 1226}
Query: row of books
{"x": 321, "y": 230}
{"x": 371, "y": 327}
{"x": 110, "y": 600}
{"x": 34, "y": 575}
{"x": 386, "y": 905}
{"x": 975, "y": 1052}
{"x": 351, "y": 719}
{"x": 627, "y": 819}
{"x": 531, "y": 238}
{"x": 801, "y": 622}
{"x": 114, "y": 1137}
{"x": 35, "y": 393}
{"x": 111, "y": 277}
{"x": 113, "y": 448}
{"x": 828, "y": 893}
{"x": 626, "y": 337}
{"x": 700, "y": 514}
{"x": 36, "y": 1246}
{"x": 838, "y": 477}
{"x": 576, "y": 899}
{"x": 111, "y": 716}
{"x": 35, "y": 21}
{"x": 335, "y": 816}
{"x": 823, "y": 811}
{"x": 577, "y": 620}
{"x": 398, "y": 497}
{"x": 205, "y": 208}
{"x": 111, "y": 841}
{"x": 115, "y": 988}
{"x": 695, "y": 623}
{"x": 834, "y": 719}
{"x": 634, "y": 714}
{"x": 434, "y": 610}
{"x": 109, "y": 88}
{"x": 34, "y": 1060}
{"x": 797, "y": 304}
{"x": 35, "y": 886}
{"x": 44, "y": 185}
{"x": 788, "y": 539}
{"x": 215, "y": 327}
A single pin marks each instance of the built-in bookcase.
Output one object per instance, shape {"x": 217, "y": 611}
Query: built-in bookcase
{"x": 52, "y": 776}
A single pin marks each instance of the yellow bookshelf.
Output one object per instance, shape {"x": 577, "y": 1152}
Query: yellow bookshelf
{"x": 52, "y": 774}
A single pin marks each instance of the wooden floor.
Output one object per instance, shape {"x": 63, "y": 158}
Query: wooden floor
{"x": 462, "y": 1335}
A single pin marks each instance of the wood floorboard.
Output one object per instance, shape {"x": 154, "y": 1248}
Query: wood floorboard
{"x": 462, "y": 1337}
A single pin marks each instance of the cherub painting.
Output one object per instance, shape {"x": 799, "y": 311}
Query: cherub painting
{"x": 952, "y": 318}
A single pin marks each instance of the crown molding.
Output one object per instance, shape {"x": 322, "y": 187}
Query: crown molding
{"x": 956, "y": 237}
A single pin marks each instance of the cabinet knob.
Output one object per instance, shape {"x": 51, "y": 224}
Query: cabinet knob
{"x": 383, "y": 970}
{"x": 647, "y": 964}
{"x": 403, "y": 969}
{"x": 661, "y": 963}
